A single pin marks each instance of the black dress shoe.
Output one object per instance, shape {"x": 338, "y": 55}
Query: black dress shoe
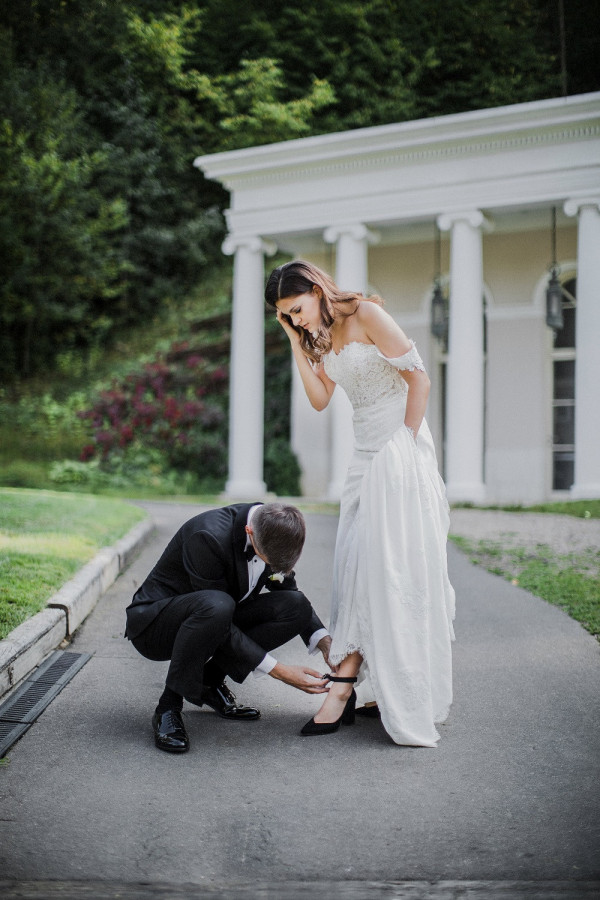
{"x": 347, "y": 717}
{"x": 169, "y": 731}
{"x": 369, "y": 712}
{"x": 223, "y": 702}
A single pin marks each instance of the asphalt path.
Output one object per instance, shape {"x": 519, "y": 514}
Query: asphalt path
{"x": 510, "y": 794}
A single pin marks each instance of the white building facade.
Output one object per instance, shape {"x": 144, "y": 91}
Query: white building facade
{"x": 514, "y": 406}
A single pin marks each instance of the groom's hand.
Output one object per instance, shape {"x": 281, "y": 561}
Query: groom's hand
{"x": 324, "y": 646}
{"x": 300, "y": 677}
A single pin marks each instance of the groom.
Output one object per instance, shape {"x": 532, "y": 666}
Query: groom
{"x": 202, "y": 608}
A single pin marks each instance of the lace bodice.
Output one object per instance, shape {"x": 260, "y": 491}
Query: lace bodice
{"x": 366, "y": 375}
{"x": 375, "y": 387}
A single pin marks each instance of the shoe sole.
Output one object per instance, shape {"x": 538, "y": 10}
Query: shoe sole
{"x": 365, "y": 712}
{"x": 171, "y": 749}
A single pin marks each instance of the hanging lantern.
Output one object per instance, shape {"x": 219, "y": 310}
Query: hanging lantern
{"x": 554, "y": 302}
{"x": 439, "y": 317}
{"x": 439, "y": 303}
{"x": 554, "y": 292}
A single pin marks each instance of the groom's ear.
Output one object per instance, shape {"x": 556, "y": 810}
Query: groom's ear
{"x": 248, "y": 529}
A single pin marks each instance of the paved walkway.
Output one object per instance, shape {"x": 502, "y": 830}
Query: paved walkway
{"x": 506, "y": 806}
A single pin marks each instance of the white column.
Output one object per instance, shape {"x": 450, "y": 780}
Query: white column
{"x": 246, "y": 386}
{"x": 587, "y": 335}
{"x": 465, "y": 372}
{"x": 351, "y": 274}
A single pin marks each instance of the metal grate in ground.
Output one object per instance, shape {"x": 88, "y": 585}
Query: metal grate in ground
{"x": 29, "y": 700}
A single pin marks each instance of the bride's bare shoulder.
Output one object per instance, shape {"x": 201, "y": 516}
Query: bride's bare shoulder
{"x": 381, "y": 329}
{"x": 370, "y": 313}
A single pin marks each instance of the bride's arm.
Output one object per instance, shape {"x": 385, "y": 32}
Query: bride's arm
{"x": 392, "y": 343}
{"x": 416, "y": 401}
{"x": 317, "y": 385}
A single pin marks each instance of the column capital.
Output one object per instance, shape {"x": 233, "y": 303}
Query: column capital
{"x": 252, "y": 242}
{"x": 474, "y": 217}
{"x": 356, "y": 230}
{"x": 572, "y": 207}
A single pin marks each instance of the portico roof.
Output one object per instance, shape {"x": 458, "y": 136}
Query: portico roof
{"x": 512, "y": 162}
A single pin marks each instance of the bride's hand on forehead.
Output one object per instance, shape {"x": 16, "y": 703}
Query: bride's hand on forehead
{"x": 287, "y": 326}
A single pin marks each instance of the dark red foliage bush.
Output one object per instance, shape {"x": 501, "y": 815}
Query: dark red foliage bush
{"x": 177, "y": 407}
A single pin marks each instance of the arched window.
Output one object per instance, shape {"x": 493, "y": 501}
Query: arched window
{"x": 563, "y": 392}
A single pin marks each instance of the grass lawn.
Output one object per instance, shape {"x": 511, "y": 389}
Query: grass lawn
{"x": 581, "y": 509}
{"x": 45, "y": 537}
{"x": 571, "y": 581}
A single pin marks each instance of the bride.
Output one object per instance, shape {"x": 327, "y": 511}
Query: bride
{"x": 392, "y": 604}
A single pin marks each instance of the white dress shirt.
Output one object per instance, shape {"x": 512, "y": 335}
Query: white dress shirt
{"x": 256, "y": 566}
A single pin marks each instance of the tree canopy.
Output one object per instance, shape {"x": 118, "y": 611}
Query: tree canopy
{"x": 105, "y": 103}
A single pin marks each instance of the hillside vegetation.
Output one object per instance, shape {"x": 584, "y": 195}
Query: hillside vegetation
{"x": 110, "y": 238}
{"x": 150, "y": 416}
{"x": 104, "y": 105}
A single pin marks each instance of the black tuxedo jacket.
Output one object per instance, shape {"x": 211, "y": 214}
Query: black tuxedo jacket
{"x": 207, "y": 553}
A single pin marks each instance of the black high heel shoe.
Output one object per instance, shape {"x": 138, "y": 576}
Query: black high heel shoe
{"x": 346, "y": 718}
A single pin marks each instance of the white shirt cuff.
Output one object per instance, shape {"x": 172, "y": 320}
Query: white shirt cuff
{"x": 316, "y": 637}
{"x": 264, "y": 667}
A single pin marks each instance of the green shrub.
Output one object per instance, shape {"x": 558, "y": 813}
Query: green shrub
{"x": 23, "y": 473}
{"x": 169, "y": 414}
{"x": 281, "y": 468}
{"x": 41, "y": 428}
{"x": 72, "y": 472}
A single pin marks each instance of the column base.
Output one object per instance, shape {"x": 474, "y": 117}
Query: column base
{"x": 585, "y": 492}
{"x": 245, "y": 490}
{"x": 466, "y": 492}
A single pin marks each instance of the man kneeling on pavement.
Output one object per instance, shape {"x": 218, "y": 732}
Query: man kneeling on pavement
{"x": 201, "y": 607}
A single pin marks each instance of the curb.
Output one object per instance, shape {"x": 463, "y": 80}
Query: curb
{"x": 29, "y": 644}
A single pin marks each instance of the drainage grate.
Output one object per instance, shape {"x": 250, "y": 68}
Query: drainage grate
{"x": 9, "y": 733}
{"x": 60, "y": 667}
{"x": 35, "y": 694}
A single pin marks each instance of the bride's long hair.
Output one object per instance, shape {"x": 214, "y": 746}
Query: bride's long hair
{"x": 300, "y": 277}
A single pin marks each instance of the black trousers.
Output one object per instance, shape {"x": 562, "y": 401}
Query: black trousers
{"x": 207, "y": 635}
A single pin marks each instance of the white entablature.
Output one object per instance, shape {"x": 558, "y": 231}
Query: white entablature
{"x": 498, "y": 160}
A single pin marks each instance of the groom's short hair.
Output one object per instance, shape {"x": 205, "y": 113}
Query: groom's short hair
{"x": 279, "y": 531}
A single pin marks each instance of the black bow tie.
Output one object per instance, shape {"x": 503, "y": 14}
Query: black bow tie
{"x": 249, "y": 552}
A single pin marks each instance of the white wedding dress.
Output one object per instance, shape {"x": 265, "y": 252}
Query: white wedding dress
{"x": 392, "y": 600}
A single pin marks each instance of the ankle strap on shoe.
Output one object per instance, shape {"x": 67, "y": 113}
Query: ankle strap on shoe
{"x": 344, "y": 680}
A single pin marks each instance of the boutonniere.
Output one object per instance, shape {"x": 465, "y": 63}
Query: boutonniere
{"x": 276, "y": 576}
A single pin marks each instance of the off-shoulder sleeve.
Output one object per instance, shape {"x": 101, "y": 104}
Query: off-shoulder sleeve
{"x": 408, "y": 361}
